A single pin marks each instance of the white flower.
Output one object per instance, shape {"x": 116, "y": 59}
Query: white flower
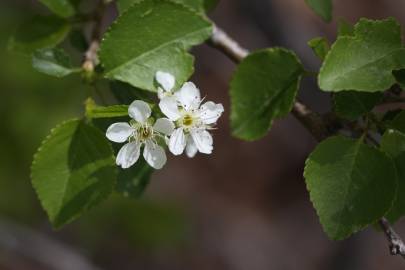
{"x": 192, "y": 119}
{"x": 140, "y": 132}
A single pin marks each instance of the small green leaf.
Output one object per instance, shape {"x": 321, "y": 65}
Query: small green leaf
{"x": 351, "y": 185}
{"x": 365, "y": 61}
{"x": 322, "y": 8}
{"x": 38, "y": 33}
{"x": 62, "y": 8}
{"x": 72, "y": 171}
{"x": 393, "y": 144}
{"x": 390, "y": 115}
{"x": 54, "y": 62}
{"x": 107, "y": 112}
{"x": 351, "y": 105}
{"x": 398, "y": 122}
{"x": 150, "y": 36}
{"x": 263, "y": 88}
{"x": 320, "y": 46}
{"x": 345, "y": 28}
{"x": 400, "y": 77}
{"x": 196, "y": 5}
{"x": 132, "y": 182}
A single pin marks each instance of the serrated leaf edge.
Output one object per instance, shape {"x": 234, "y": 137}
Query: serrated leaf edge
{"x": 361, "y": 226}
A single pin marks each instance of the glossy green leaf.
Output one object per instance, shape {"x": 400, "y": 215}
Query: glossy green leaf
{"x": 351, "y": 185}
{"x": 38, "y": 33}
{"x": 62, "y": 8}
{"x": 320, "y": 46}
{"x": 365, "y": 61}
{"x": 54, "y": 62}
{"x": 351, "y": 104}
{"x": 263, "y": 88}
{"x": 132, "y": 182}
{"x": 322, "y": 8}
{"x": 150, "y": 36}
{"x": 393, "y": 143}
{"x": 73, "y": 170}
{"x": 196, "y": 5}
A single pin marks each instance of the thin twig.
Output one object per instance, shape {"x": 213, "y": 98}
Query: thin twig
{"x": 396, "y": 244}
{"x": 311, "y": 120}
{"x": 90, "y": 56}
{"x": 221, "y": 41}
{"x": 314, "y": 123}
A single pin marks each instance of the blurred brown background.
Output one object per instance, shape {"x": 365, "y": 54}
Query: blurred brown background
{"x": 245, "y": 207}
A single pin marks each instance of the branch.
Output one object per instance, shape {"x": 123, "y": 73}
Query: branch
{"x": 396, "y": 244}
{"x": 221, "y": 41}
{"x": 90, "y": 56}
{"x": 319, "y": 127}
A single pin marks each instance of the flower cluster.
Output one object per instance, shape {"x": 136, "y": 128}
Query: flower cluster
{"x": 185, "y": 128}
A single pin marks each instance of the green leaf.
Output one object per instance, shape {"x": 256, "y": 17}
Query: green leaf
{"x": 132, "y": 182}
{"x": 393, "y": 144}
{"x": 78, "y": 40}
{"x": 54, "y": 62}
{"x": 398, "y": 122}
{"x": 210, "y": 4}
{"x": 263, "y": 88}
{"x": 72, "y": 171}
{"x": 322, "y": 8}
{"x": 62, "y": 8}
{"x": 196, "y": 5}
{"x": 345, "y": 28}
{"x": 150, "y": 36}
{"x": 365, "y": 61}
{"x": 320, "y": 46}
{"x": 351, "y": 105}
{"x": 400, "y": 77}
{"x": 351, "y": 185}
{"x": 38, "y": 33}
{"x": 126, "y": 94}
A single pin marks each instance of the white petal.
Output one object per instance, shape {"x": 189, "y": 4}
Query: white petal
{"x": 168, "y": 106}
{"x": 203, "y": 140}
{"x": 164, "y": 125}
{"x": 177, "y": 142}
{"x": 154, "y": 154}
{"x": 189, "y": 96}
{"x": 191, "y": 148}
{"x": 139, "y": 110}
{"x": 161, "y": 93}
{"x": 119, "y": 132}
{"x": 166, "y": 80}
{"x": 210, "y": 112}
{"x": 128, "y": 155}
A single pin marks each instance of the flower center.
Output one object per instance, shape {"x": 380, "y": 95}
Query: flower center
{"x": 188, "y": 120}
{"x": 145, "y": 132}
